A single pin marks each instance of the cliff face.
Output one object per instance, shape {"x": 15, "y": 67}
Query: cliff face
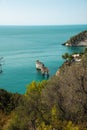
{"x": 69, "y": 90}
{"x": 78, "y": 40}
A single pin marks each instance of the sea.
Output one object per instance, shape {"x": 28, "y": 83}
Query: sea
{"x": 21, "y": 46}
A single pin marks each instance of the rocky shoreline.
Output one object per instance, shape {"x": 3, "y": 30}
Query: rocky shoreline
{"x": 77, "y": 40}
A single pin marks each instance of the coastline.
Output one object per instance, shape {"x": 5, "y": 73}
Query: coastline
{"x": 79, "y": 39}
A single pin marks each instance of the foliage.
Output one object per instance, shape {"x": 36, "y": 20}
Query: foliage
{"x": 32, "y": 109}
{"x": 71, "y": 126}
{"x": 35, "y": 87}
{"x": 9, "y": 101}
{"x": 18, "y": 121}
{"x": 57, "y": 104}
{"x": 67, "y": 57}
{"x": 3, "y": 119}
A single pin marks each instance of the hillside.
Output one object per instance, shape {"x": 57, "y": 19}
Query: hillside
{"x": 78, "y": 40}
{"x": 70, "y": 88}
{"x": 57, "y": 104}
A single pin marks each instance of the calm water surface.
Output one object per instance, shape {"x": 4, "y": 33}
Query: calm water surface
{"x": 21, "y": 46}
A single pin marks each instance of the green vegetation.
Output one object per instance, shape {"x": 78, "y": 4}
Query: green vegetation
{"x": 70, "y": 58}
{"x": 57, "y": 104}
{"x": 67, "y": 57}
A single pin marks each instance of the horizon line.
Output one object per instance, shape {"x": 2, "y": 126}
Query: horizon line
{"x": 42, "y": 24}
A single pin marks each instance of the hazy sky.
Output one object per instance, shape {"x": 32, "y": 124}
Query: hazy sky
{"x": 43, "y": 12}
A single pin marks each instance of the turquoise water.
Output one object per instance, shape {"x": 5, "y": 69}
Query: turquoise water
{"x": 21, "y": 46}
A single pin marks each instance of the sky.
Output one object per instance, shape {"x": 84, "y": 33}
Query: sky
{"x": 43, "y": 12}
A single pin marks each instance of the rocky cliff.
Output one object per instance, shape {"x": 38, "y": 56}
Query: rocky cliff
{"x": 68, "y": 89}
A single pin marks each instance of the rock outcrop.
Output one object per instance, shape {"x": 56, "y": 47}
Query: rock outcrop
{"x": 78, "y": 40}
{"x": 68, "y": 89}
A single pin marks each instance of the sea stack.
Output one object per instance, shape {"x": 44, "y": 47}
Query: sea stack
{"x": 44, "y": 70}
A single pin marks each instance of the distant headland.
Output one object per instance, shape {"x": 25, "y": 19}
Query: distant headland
{"x": 77, "y": 40}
